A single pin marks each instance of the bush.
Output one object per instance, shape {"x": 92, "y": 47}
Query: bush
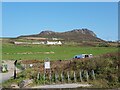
{"x": 103, "y": 45}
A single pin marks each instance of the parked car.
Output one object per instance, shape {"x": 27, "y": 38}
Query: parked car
{"x": 80, "y": 56}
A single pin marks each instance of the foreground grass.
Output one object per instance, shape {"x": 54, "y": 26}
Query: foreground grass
{"x": 39, "y": 52}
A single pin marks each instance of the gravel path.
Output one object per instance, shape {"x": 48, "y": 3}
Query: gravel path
{"x": 9, "y": 74}
{"x": 73, "y": 85}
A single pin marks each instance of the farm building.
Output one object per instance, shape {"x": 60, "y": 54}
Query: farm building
{"x": 54, "y": 43}
{"x": 38, "y": 42}
{"x": 19, "y": 43}
{"x": 42, "y": 42}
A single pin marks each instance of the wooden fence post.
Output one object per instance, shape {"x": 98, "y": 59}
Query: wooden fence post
{"x": 50, "y": 76}
{"x": 93, "y": 74}
{"x": 87, "y": 76}
{"x": 74, "y": 77}
{"x": 44, "y": 76}
{"x": 38, "y": 76}
{"x": 81, "y": 76}
{"x": 56, "y": 77}
{"x": 62, "y": 77}
{"x": 68, "y": 76}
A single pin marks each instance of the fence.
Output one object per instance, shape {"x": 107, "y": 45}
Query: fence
{"x": 65, "y": 77}
{"x": 60, "y": 72}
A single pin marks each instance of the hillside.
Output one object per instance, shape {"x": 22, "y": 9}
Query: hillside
{"x": 76, "y": 35}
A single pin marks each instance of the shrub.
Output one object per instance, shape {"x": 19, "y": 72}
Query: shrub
{"x": 103, "y": 45}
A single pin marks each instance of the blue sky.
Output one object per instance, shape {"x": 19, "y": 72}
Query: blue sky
{"x": 25, "y": 18}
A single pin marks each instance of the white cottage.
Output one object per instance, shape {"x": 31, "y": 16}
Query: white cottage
{"x": 54, "y": 43}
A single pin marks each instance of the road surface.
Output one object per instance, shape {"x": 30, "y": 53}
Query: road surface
{"x": 10, "y": 73}
{"x": 72, "y": 85}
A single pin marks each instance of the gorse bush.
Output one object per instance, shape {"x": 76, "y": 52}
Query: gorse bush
{"x": 103, "y": 45}
{"x": 106, "y": 69}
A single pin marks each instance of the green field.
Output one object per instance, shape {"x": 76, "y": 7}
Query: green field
{"x": 40, "y": 52}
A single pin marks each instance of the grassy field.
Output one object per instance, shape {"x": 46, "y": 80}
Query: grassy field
{"x": 40, "y": 52}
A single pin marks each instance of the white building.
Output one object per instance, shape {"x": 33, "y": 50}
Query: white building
{"x": 18, "y": 43}
{"x": 38, "y": 43}
{"x": 42, "y": 42}
{"x": 54, "y": 43}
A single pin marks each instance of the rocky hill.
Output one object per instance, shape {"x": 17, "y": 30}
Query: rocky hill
{"x": 76, "y": 35}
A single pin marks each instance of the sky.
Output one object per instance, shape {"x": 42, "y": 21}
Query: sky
{"x": 25, "y": 18}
